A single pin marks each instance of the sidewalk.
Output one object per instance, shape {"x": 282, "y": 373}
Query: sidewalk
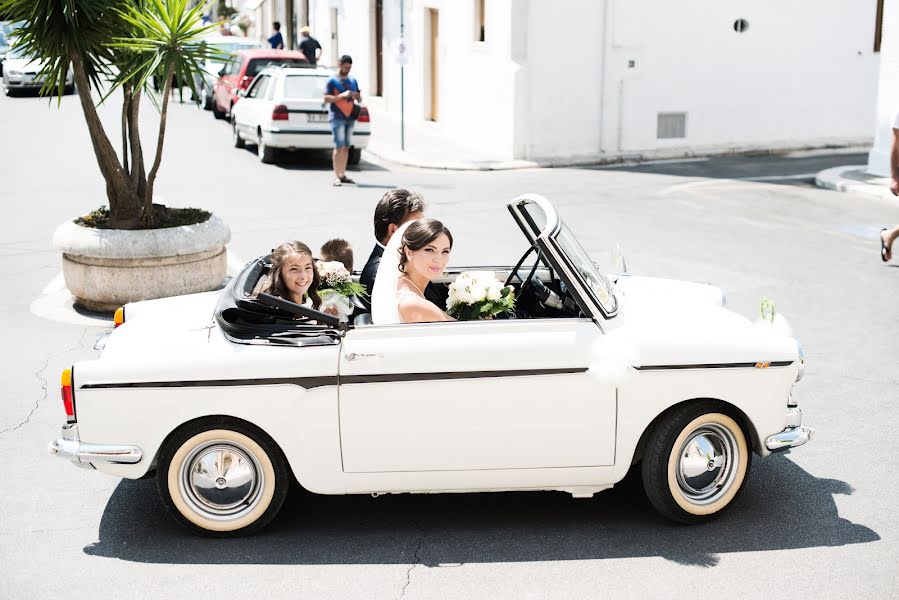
{"x": 425, "y": 148}
{"x": 854, "y": 178}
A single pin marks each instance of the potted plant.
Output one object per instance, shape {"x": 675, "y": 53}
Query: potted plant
{"x": 135, "y": 249}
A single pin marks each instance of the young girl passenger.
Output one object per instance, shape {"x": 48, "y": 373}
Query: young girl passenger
{"x": 294, "y": 276}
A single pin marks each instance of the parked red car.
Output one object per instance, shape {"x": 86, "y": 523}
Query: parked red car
{"x": 240, "y": 71}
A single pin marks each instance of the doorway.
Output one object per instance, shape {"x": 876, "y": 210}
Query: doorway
{"x": 433, "y": 74}
{"x": 379, "y": 47}
{"x": 335, "y": 54}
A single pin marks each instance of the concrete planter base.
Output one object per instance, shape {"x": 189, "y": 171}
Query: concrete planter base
{"x": 106, "y": 268}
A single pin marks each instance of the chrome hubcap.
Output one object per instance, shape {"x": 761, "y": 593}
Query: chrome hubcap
{"x": 222, "y": 480}
{"x": 707, "y": 463}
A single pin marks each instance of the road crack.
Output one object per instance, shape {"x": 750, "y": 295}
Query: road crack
{"x": 39, "y": 374}
{"x": 416, "y": 561}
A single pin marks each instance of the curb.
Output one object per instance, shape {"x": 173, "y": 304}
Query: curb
{"x": 409, "y": 160}
{"x": 835, "y": 179}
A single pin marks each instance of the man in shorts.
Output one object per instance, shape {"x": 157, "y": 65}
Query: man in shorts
{"x": 341, "y": 92}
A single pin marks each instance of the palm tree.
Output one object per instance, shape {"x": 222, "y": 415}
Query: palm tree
{"x": 124, "y": 43}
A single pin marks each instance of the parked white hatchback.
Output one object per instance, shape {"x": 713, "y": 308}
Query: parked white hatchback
{"x": 284, "y": 109}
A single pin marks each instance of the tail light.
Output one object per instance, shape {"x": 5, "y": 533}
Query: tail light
{"x": 68, "y": 395}
{"x": 119, "y": 316}
{"x": 364, "y": 116}
{"x": 279, "y": 113}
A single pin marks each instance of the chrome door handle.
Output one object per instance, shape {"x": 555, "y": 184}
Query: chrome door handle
{"x": 358, "y": 355}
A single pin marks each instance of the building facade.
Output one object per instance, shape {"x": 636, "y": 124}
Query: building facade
{"x": 594, "y": 79}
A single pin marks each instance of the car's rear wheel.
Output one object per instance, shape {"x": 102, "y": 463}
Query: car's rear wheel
{"x": 207, "y": 98}
{"x": 235, "y": 136}
{"x": 355, "y": 156}
{"x": 266, "y": 153}
{"x": 695, "y": 463}
{"x": 218, "y": 114}
{"x": 222, "y": 477}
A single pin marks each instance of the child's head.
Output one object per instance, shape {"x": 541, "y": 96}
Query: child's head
{"x": 294, "y": 275}
{"x": 339, "y": 250}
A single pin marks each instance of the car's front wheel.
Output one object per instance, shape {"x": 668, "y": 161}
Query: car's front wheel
{"x": 218, "y": 114}
{"x": 695, "y": 463}
{"x": 222, "y": 477}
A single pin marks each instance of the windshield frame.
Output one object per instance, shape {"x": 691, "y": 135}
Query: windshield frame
{"x": 550, "y": 237}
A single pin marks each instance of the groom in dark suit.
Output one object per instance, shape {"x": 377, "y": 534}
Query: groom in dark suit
{"x": 395, "y": 208}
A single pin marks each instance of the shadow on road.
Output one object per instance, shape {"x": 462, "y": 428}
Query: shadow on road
{"x": 775, "y": 169}
{"x": 310, "y": 160}
{"x": 784, "y": 507}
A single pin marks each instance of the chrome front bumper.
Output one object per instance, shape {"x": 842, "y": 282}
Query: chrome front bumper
{"x": 68, "y": 446}
{"x": 795, "y": 433}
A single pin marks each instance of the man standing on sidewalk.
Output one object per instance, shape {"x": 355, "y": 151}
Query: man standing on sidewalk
{"x": 888, "y": 236}
{"x": 310, "y": 46}
{"x": 277, "y": 40}
{"x": 342, "y": 93}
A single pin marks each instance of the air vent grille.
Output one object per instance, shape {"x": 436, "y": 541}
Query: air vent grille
{"x": 672, "y": 126}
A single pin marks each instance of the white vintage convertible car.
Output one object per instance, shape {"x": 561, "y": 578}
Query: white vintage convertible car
{"x": 226, "y": 397}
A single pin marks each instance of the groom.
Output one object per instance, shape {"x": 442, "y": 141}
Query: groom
{"x": 395, "y": 208}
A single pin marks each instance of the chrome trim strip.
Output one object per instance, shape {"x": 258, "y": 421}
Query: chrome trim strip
{"x": 314, "y": 382}
{"x": 351, "y": 379}
{"x": 747, "y": 365}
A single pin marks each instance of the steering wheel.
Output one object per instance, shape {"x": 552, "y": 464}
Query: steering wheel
{"x": 514, "y": 274}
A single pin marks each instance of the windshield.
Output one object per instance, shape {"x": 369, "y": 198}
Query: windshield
{"x": 304, "y": 86}
{"x": 257, "y": 64}
{"x": 597, "y": 283}
{"x": 16, "y": 53}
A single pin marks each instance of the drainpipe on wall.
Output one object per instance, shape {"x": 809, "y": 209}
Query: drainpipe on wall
{"x": 602, "y": 72}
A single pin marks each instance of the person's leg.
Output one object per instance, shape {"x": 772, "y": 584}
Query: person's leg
{"x": 342, "y": 156}
{"x": 346, "y": 157}
{"x": 888, "y": 236}
{"x": 337, "y": 132}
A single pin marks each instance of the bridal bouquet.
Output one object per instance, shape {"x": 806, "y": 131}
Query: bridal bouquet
{"x": 478, "y": 295}
{"x": 336, "y": 287}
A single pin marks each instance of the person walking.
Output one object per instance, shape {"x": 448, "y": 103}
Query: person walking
{"x": 310, "y": 47}
{"x": 342, "y": 93}
{"x": 888, "y": 236}
{"x": 277, "y": 40}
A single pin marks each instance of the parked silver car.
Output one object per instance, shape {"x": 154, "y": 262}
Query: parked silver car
{"x": 22, "y": 72}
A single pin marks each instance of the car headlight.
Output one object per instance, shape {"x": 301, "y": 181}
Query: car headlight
{"x": 801, "y": 362}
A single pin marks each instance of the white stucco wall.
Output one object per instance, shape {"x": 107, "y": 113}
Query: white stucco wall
{"x": 553, "y": 79}
{"x": 888, "y": 91}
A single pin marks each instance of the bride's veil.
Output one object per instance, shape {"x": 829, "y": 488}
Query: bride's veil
{"x": 384, "y": 308}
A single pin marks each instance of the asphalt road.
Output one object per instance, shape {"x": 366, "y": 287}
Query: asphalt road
{"x": 818, "y": 522}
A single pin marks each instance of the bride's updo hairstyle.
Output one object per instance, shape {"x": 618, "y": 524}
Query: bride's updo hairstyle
{"x": 419, "y": 234}
{"x": 275, "y": 283}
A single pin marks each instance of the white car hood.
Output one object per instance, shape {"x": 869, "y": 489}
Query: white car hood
{"x": 669, "y": 322}
{"x": 23, "y": 64}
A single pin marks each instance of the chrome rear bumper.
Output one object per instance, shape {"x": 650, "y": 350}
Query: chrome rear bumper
{"x": 68, "y": 446}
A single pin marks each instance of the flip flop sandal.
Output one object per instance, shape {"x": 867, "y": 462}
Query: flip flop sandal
{"x": 883, "y": 247}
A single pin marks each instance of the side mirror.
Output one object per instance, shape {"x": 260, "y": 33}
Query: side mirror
{"x": 221, "y": 72}
{"x": 241, "y": 93}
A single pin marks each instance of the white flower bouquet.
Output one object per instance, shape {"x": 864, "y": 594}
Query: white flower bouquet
{"x": 478, "y": 295}
{"x": 336, "y": 287}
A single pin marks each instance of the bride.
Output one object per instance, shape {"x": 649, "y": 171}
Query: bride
{"x": 416, "y": 255}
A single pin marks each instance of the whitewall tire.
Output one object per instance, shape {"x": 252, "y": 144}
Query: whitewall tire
{"x": 222, "y": 477}
{"x": 696, "y": 462}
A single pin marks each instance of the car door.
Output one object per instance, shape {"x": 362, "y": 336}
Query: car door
{"x": 502, "y": 394}
{"x": 246, "y": 112}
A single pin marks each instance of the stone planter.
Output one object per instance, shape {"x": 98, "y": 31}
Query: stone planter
{"x": 106, "y": 268}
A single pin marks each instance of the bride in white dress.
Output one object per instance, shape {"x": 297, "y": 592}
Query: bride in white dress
{"x": 416, "y": 255}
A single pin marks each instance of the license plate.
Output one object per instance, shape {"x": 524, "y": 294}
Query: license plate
{"x": 318, "y": 117}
